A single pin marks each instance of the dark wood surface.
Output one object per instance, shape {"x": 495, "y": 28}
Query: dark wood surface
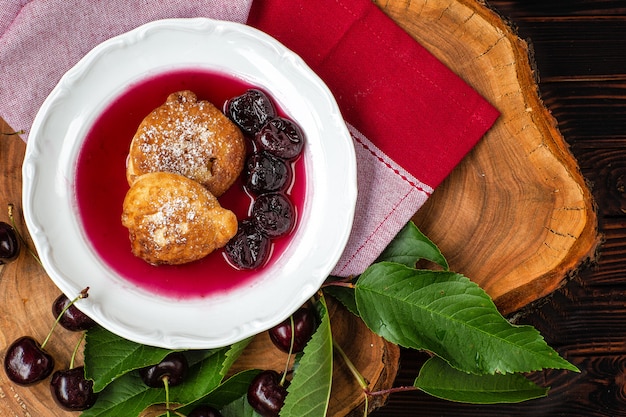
{"x": 580, "y": 53}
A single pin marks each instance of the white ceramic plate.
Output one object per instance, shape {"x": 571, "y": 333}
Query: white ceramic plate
{"x": 69, "y": 112}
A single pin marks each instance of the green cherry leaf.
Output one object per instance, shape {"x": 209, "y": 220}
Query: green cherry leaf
{"x": 309, "y": 391}
{"x": 344, "y": 295}
{"x": 409, "y": 246}
{"x": 239, "y": 408}
{"x": 129, "y": 396}
{"x": 230, "y": 391}
{"x": 108, "y": 356}
{"x": 232, "y": 354}
{"x": 449, "y": 315}
{"x": 233, "y": 388}
{"x": 205, "y": 374}
{"x": 440, "y": 380}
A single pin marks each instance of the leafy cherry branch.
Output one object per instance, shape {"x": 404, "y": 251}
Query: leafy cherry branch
{"x": 477, "y": 356}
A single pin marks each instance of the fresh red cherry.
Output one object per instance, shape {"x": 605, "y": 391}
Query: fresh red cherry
{"x": 266, "y": 394}
{"x": 26, "y": 362}
{"x": 9, "y": 243}
{"x": 71, "y": 390}
{"x": 173, "y": 368}
{"x": 281, "y": 137}
{"x": 204, "y": 411}
{"x": 250, "y": 110}
{"x": 72, "y": 318}
{"x": 304, "y": 324}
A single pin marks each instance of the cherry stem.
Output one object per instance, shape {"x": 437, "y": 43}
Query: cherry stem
{"x": 363, "y": 383}
{"x": 333, "y": 281}
{"x": 355, "y": 372}
{"x": 392, "y": 390}
{"x": 293, "y": 336}
{"x": 76, "y": 350}
{"x": 338, "y": 284}
{"x": 357, "y": 375}
{"x": 83, "y": 294}
{"x": 18, "y": 132}
{"x": 19, "y": 235}
{"x": 166, "y": 385}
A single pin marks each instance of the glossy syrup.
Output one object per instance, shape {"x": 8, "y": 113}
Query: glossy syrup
{"x": 101, "y": 187}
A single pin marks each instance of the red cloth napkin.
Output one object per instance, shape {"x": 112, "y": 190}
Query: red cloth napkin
{"x": 411, "y": 118}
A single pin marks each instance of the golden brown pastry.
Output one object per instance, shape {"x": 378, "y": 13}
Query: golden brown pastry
{"x": 188, "y": 137}
{"x": 174, "y": 220}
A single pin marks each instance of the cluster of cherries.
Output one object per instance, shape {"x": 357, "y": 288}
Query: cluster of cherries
{"x": 27, "y": 362}
{"x": 276, "y": 142}
{"x": 268, "y": 390}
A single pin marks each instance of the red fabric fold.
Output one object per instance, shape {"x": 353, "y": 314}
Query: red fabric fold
{"x": 389, "y": 87}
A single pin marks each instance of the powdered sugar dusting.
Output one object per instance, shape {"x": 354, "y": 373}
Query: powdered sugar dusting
{"x": 170, "y": 223}
{"x": 191, "y": 142}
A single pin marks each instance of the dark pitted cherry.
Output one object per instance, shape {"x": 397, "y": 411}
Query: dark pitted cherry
{"x": 204, "y": 411}
{"x": 73, "y": 319}
{"x": 266, "y": 395}
{"x": 173, "y": 367}
{"x": 304, "y": 324}
{"x": 249, "y": 248}
{"x": 250, "y": 111}
{"x": 71, "y": 390}
{"x": 26, "y": 362}
{"x": 281, "y": 137}
{"x": 9, "y": 243}
{"x": 266, "y": 172}
{"x": 273, "y": 214}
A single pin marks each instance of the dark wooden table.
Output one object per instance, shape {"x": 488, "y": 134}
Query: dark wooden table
{"x": 580, "y": 53}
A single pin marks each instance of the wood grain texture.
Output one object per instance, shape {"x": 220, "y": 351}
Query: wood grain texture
{"x": 516, "y": 216}
{"x": 26, "y": 296}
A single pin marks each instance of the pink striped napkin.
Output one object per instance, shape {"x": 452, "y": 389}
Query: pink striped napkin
{"x": 411, "y": 118}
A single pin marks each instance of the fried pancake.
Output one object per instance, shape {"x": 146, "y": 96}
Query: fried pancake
{"x": 188, "y": 137}
{"x": 174, "y": 220}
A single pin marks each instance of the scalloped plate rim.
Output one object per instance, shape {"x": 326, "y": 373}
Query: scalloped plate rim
{"x": 48, "y": 170}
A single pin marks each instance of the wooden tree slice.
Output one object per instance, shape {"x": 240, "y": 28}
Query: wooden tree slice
{"x": 26, "y": 296}
{"x": 516, "y": 216}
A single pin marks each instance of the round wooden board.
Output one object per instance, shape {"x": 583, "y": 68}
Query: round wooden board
{"x": 515, "y": 216}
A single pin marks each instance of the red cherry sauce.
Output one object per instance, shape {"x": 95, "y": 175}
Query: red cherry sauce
{"x": 101, "y": 187}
